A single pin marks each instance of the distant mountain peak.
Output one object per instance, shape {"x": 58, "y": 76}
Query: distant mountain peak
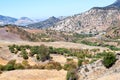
{"x": 46, "y": 23}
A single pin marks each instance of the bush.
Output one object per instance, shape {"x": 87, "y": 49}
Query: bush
{"x": 80, "y": 62}
{"x": 109, "y": 59}
{"x": 9, "y": 67}
{"x": 11, "y": 48}
{"x": 53, "y": 65}
{"x": 12, "y": 62}
{"x": 18, "y": 66}
{"x": 26, "y": 64}
{"x": 1, "y": 67}
{"x": 70, "y": 66}
{"x": 71, "y": 75}
{"x": 24, "y": 54}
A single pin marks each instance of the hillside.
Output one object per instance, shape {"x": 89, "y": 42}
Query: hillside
{"x": 7, "y": 20}
{"x": 93, "y": 21}
{"x": 44, "y": 24}
{"x": 113, "y": 32}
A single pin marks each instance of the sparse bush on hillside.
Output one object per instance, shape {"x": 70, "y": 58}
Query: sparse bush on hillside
{"x": 24, "y": 54}
{"x": 11, "y": 48}
{"x": 109, "y": 59}
{"x": 9, "y": 67}
{"x": 89, "y": 43}
{"x": 18, "y": 66}
{"x": 71, "y": 75}
{"x": 70, "y": 65}
{"x": 53, "y": 65}
{"x": 25, "y": 64}
{"x": 1, "y": 67}
{"x": 80, "y": 62}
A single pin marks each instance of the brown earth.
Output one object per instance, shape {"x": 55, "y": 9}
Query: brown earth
{"x": 34, "y": 75}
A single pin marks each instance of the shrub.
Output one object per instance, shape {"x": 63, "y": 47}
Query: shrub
{"x": 18, "y": 66}
{"x": 53, "y": 65}
{"x": 70, "y": 66}
{"x": 1, "y": 67}
{"x": 26, "y": 64}
{"x": 24, "y": 54}
{"x": 9, "y": 67}
{"x": 11, "y": 48}
{"x": 38, "y": 67}
{"x": 80, "y": 62}
{"x": 12, "y": 62}
{"x": 109, "y": 59}
{"x": 71, "y": 75}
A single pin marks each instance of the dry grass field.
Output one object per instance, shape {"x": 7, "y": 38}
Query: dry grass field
{"x": 34, "y": 75}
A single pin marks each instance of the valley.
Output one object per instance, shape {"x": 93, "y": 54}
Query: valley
{"x": 84, "y": 46}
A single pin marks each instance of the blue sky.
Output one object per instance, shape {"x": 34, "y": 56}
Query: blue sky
{"x": 46, "y": 8}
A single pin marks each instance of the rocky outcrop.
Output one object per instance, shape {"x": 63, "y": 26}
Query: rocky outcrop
{"x": 97, "y": 70}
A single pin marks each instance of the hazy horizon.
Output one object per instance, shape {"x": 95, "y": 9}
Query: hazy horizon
{"x": 46, "y": 8}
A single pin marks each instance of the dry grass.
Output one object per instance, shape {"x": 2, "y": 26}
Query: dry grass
{"x": 34, "y": 75}
{"x": 115, "y": 76}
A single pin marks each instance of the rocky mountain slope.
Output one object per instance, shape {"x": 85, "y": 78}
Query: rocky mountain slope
{"x": 113, "y": 32}
{"x": 95, "y": 20}
{"x": 45, "y": 24}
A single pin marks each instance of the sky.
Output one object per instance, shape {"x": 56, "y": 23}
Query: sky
{"x": 37, "y": 9}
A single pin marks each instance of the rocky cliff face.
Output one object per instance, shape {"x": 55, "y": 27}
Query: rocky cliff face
{"x": 95, "y": 20}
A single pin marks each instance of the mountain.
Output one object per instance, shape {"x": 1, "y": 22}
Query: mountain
{"x": 93, "y": 21}
{"x": 10, "y": 20}
{"x": 7, "y": 20}
{"x": 115, "y": 4}
{"x": 24, "y": 21}
{"x": 45, "y": 24}
{"x": 113, "y": 32}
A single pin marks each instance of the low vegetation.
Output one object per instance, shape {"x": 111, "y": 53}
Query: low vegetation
{"x": 112, "y": 47}
{"x": 109, "y": 59}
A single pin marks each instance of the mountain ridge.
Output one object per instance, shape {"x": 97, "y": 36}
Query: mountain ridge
{"x": 44, "y": 24}
{"x": 95, "y": 20}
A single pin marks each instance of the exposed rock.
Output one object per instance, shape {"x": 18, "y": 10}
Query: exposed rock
{"x": 95, "y": 20}
{"x": 97, "y": 70}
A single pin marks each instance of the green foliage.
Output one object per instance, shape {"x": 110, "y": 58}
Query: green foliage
{"x": 43, "y": 53}
{"x": 71, "y": 75}
{"x": 82, "y": 35}
{"x": 109, "y": 59}
{"x": 70, "y": 66}
{"x": 53, "y": 65}
{"x": 100, "y": 55}
{"x": 59, "y": 50}
{"x": 89, "y": 43}
{"x": 113, "y": 48}
{"x": 26, "y": 64}
{"x": 80, "y": 62}
{"x": 11, "y": 48}
{"x": 24, "y": 54}
{"x": 1, "y": 67}
{"x": 12, "y": 62}
{"x": 9, "y": 67}
{"x": 18, "y": 66}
